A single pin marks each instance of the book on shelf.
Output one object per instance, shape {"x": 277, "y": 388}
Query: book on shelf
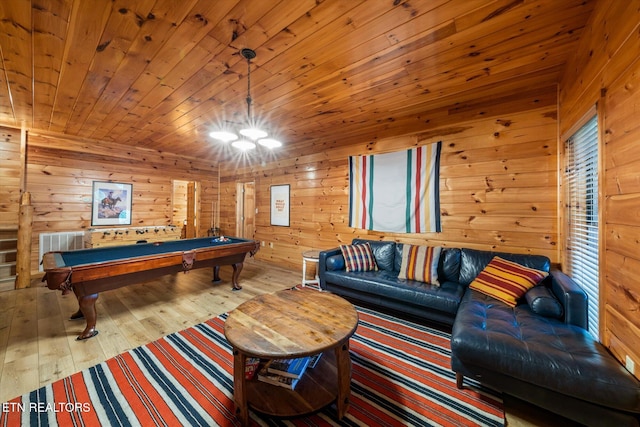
{"x": 314, "y": 360}
{"x": 286, "y": 372}
{"x": 251, "y": 367}
{"x": 279, "y": 380}
{"x": 291, "y": 368}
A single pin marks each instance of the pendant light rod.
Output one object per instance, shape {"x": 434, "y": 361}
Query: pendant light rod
{"x": 248, "y": 54}
{"x": 252, "y": 132}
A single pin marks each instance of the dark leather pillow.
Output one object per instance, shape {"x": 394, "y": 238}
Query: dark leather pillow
{"x": 335, "y": 263}
{"x": 543, "y": 302}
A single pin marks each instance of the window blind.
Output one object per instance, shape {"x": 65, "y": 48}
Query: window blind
{"x": 581, "y": 178}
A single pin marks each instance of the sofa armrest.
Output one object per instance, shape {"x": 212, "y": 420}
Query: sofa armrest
{"x": 572, "y": 297}
{"x": 325, "y": 257}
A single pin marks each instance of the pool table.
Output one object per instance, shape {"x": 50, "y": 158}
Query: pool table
{"x": 90, "y": 271}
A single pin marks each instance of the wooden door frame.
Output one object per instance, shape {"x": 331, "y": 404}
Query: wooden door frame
{"x": 192, "y": 209}
{"x": 191, "y": 227}
{"x": 240, "y": 202}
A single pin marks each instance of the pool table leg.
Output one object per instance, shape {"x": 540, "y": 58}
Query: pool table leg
{"x": 237, "y": 268}
{"x": 87, "y": 305}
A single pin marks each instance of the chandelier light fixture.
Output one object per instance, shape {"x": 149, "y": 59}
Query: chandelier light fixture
{"x": 251, "y": 133}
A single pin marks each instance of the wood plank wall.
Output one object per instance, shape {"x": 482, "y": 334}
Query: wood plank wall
{"x": 615, "y": 73}
{"x": 179, "y": 205}
{"x": 61, "y": 171}
{"x": 498, "y": 184}
{"x": 9, "y": 176}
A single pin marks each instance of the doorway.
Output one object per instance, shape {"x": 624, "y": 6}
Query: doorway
{"x": 245, "y": 210}
{"x": 185, "y": 207}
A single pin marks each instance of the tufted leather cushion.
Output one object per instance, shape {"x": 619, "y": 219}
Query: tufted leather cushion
{"x": 539, "y": 350}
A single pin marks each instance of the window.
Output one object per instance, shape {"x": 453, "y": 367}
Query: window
{"x": 581, "y": 179}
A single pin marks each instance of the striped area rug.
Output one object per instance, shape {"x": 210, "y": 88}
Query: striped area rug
{"x": 401, "y": 376}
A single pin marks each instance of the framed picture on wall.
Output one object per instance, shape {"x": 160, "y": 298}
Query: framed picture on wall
{"x": 111, "y": 203}
{"x": 280, "y": 205}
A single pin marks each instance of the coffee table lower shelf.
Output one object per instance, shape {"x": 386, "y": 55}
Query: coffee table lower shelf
{"x": 316, "y": 389}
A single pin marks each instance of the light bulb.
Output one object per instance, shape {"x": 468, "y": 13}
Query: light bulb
{"x": 270, "y": 143}
{"x": 253, "y": 133}
{"x": 223, "y": 136}
{"x": 244, "y": 145}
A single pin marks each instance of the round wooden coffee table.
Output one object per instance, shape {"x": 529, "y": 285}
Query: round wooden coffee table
{"x": 291, "y": 324}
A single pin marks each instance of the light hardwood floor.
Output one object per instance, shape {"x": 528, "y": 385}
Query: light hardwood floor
{"x": 38, "y": 345}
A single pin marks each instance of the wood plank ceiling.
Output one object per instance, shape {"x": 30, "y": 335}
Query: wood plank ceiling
{"x": 162, "y": 73}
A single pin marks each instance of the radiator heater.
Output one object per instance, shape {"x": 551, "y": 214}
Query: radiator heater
{"x": 63, "y": 241}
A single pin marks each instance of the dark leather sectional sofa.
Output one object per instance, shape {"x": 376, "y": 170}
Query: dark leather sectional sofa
{"x": 523, "y": 351}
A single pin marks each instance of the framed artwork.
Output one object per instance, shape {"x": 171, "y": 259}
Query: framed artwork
{"x": 280, "y": 205}
{"x": 111, "y": 203}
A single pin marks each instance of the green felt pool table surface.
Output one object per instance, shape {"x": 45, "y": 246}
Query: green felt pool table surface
{"x": 112, "y": 253}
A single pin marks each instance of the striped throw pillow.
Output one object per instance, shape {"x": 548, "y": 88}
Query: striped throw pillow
{"x": 359, "y": 257}
{"x": 506, "y": 281}
{"x": 420, "y": 263}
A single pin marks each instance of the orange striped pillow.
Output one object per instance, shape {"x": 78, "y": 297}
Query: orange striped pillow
{"x": 420, "y": 263}
{"x": 506, "y": 281}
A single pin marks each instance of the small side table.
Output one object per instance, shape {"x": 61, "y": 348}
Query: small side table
{"x": 260, "y": 327}
{"x": 310, "y": 256}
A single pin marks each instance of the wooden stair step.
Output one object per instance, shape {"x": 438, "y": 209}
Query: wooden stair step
{"x": 7, "y": 283}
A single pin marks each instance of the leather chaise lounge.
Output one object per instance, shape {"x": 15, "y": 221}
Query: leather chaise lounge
{"x": 539, "y": 351}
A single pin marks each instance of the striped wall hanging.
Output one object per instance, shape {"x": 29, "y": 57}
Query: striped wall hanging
{"x": 396, "y": 192}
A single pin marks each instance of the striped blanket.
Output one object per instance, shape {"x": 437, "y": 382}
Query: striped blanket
{"x": 401, "y": 376}
{"x": 396, "y": 192}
